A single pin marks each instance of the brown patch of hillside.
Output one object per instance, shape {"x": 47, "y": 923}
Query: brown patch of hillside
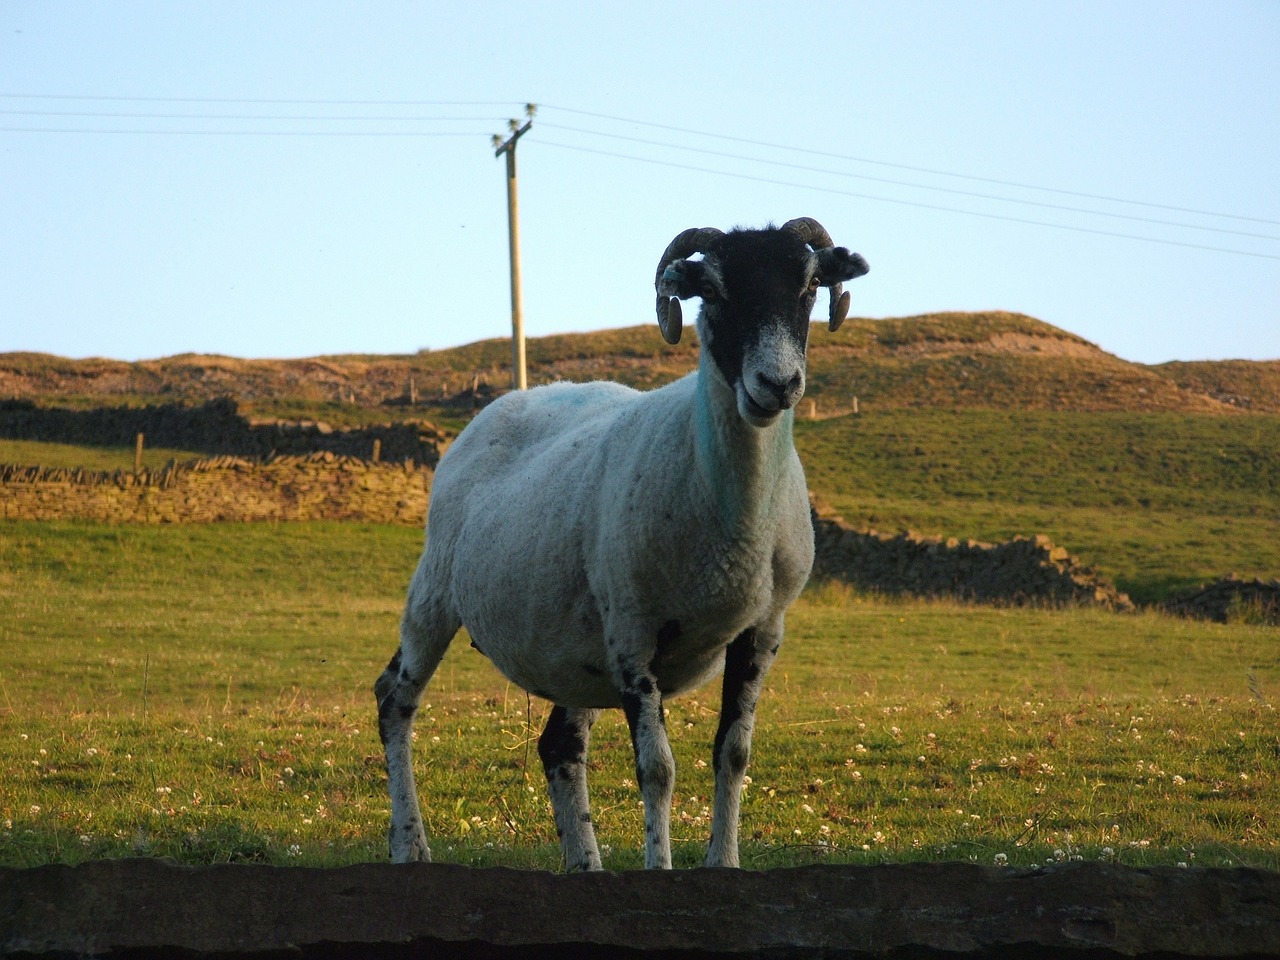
{"x": 945, "y": 360}
{"x": 1245, "y": 384}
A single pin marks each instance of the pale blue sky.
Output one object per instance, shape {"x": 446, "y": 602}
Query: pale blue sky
{"x": 245, "y": 237}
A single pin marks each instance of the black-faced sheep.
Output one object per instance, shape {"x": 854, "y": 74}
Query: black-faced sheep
{"x": 609, "y": 548}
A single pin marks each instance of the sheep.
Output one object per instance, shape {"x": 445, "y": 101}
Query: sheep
{"x": 606, "y": 547}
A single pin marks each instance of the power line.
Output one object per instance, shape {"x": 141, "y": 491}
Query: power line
{"x": 906, "y": 183}
{"x": 684, "y": 130}
{"x": 912, "y": 203}
{"x": 915, "y": 169}
{"x": 251, "y": 133}
{"x": 643, "y": 123}
{"x": 242, "y": 100}
{"x": 234, "y": 116}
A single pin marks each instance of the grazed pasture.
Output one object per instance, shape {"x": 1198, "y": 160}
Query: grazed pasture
{"x": 204, "y": 693}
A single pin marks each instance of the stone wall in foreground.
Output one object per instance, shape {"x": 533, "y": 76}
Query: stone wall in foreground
{"x": 319, "y": 486}
{"x": 149, "y": 908}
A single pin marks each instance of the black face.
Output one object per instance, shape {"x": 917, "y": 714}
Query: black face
{"x": 758, "y": 289}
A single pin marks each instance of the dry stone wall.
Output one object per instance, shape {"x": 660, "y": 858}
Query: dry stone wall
{"x": 1025, "y": 570}
{"x": 216, "y": 427}
{"x": 321, "y": 486}
{"x": 325, "y": 486}
{"x": 1231, "y": 598}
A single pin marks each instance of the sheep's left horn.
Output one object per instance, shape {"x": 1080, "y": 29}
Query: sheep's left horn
{"x": 686, "y": 244}
{"x": 810, "y": 231}
{"x": 815, "y": 235}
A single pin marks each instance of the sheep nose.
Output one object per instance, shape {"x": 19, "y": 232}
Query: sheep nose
{"x": 787, "y": 393}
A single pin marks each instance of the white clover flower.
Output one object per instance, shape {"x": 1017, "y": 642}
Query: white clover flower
{"x": 1002, "y": 860}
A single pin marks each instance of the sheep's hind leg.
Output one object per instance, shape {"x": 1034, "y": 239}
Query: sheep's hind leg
{"x": 563, "y": 749}
{"x": 746, "y": 662}
{"x": 423, "y": 641}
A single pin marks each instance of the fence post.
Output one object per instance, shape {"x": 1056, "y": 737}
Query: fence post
{"x": 137, "y": 454}
{"x": 377, "y": 449}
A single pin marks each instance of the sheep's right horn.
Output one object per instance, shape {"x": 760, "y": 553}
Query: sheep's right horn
{"x": 686, "y": 244}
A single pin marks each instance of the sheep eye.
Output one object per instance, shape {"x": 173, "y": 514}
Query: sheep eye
{"x": 708, "y": 291}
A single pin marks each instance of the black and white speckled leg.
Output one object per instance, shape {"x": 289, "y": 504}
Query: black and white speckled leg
{"x": 424, "y": 636}
{"x": 655, "y": 766}
{"x": 563, "y": 749}
{"x": 746, "y": 662}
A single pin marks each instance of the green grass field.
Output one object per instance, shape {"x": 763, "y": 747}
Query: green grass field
{"x": 1155, "y": 501}
{"x": 203, "y": 692}
{"x": 39, "y": 453}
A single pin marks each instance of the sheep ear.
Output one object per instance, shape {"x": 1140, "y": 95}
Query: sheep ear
{"x": 837, "y": 264}
{"x": 670, "y": 319}
{"x": 839, "y": 308}
{"x": 679, "y": 281}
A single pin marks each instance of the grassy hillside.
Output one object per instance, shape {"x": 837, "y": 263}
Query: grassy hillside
{"x": 949, "y": 361}
{"x": 1247, "y": 384}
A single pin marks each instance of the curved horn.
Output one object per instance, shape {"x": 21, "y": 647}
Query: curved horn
{"x": 686, "y": 243}
{"x": 810, "y": 231}
{"x": 815, "y": 235}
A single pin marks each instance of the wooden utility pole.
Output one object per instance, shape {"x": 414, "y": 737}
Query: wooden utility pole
{"x": 519, "y": 380}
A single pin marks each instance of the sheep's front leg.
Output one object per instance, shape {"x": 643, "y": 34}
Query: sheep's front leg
{"x": 746, "y": 662}
{"x": 655, "y": 767}
{"x": 563, "y": 749}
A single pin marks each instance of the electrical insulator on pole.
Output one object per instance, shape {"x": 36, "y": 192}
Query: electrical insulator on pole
{"x": 519, "y": 380}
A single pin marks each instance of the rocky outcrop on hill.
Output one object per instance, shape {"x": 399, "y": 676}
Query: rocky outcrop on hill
{"x": 1025, "y": 570}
